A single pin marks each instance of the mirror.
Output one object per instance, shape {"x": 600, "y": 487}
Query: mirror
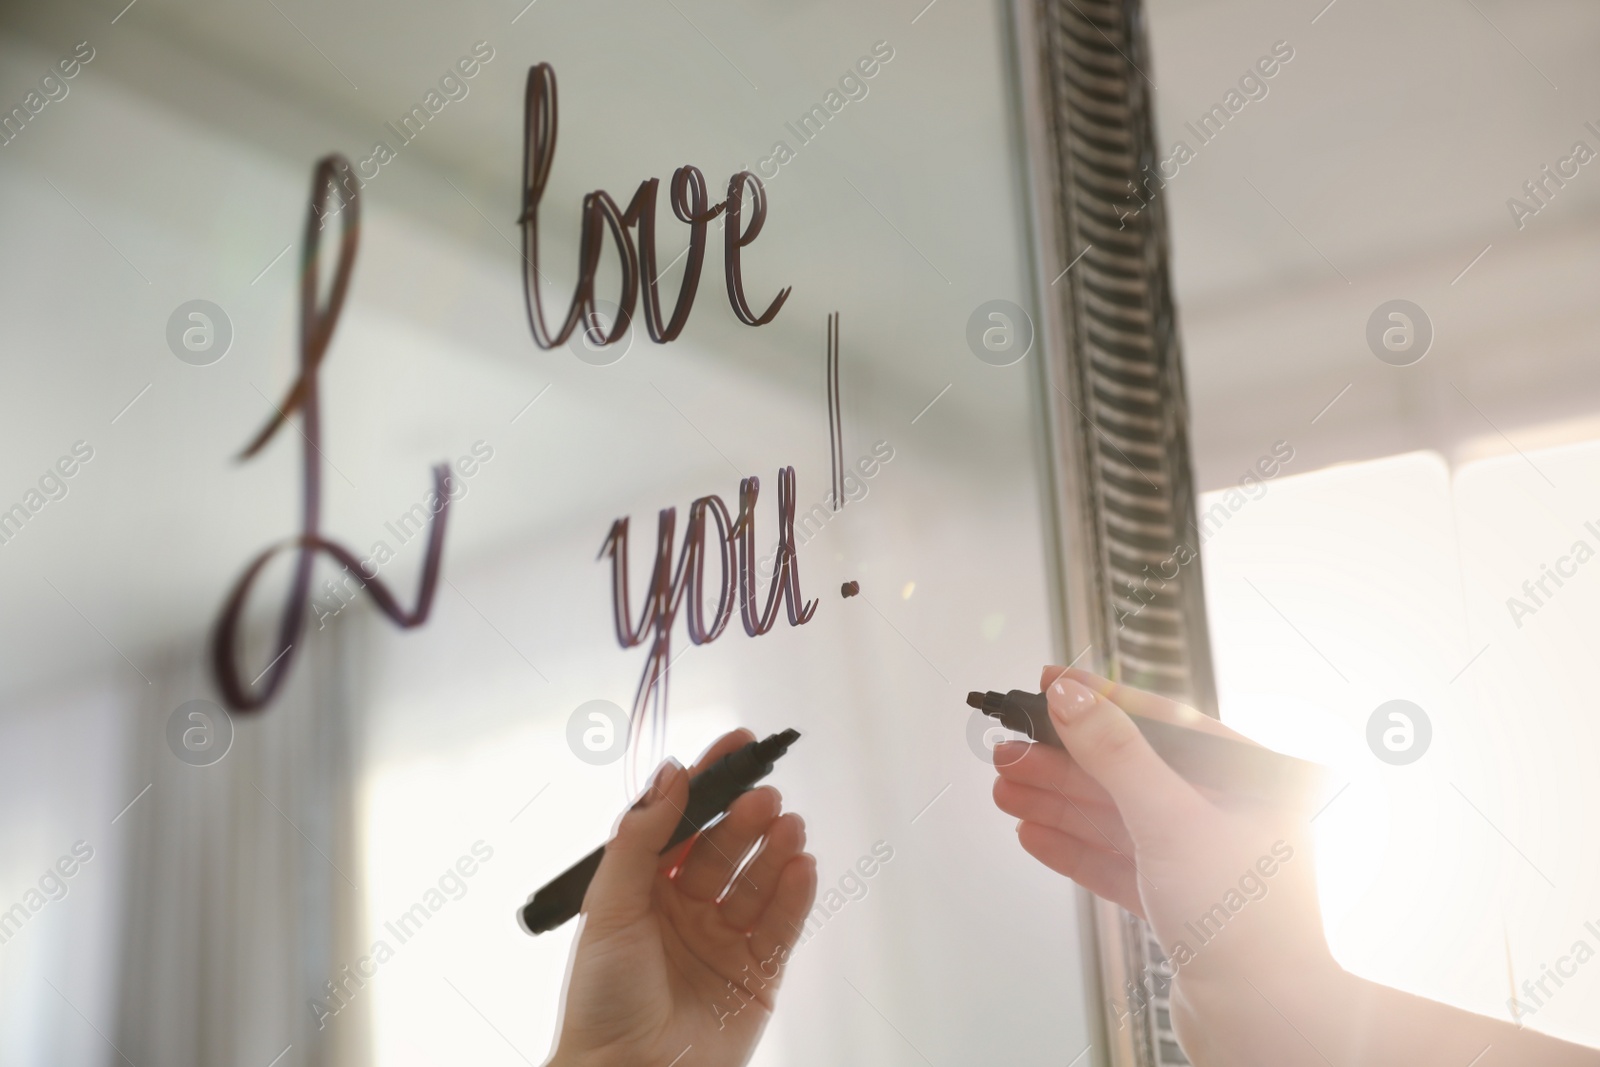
{"x": 408, "y": 788}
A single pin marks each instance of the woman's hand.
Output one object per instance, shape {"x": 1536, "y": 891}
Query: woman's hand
{"x": 671, "y": 956}
{"x": 1227, "y": 885}
{"x": 1229, "y": 888}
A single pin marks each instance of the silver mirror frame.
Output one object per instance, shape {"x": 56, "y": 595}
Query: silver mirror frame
{"x": 1116, "y": 422}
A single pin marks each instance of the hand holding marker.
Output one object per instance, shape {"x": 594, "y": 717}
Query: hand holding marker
{"x": 710, "y": 794}
{"x": 1204, "y": 759}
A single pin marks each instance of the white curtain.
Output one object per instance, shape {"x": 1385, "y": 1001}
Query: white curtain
{"x": 242, "y": 876}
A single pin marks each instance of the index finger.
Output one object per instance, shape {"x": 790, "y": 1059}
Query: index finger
{"x": 731, "y": 741}
{"x": 1142, "y": 702}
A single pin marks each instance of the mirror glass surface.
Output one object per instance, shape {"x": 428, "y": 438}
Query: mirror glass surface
{"x": 176, "y": 168}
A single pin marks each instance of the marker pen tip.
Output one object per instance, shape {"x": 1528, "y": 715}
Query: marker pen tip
{"x": 777, "y": 744}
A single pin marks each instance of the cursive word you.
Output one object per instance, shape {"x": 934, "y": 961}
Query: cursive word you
{"x": 637, "y": 261}
{"x": 672, "y": 587}
{"x": 812, "y": 520}
{"x": 332, "y": 176}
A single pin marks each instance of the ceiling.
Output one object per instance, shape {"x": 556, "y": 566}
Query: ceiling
{"x": 1378, "y": 166}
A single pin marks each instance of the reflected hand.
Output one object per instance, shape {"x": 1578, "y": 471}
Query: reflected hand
{"x": 1227, "y": 884}
{"x": 670, "y": 954}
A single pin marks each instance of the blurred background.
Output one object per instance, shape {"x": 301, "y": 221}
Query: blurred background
{"x": 1382, "y": 163}
{"x": 1416, "y": 487}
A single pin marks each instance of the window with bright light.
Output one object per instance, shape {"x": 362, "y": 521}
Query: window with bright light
{"x": 1473, "y": 594}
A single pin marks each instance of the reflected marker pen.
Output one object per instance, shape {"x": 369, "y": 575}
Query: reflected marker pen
{"x": 710, "y": 794}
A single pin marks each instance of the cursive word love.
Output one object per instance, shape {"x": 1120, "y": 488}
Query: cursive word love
{"x": 317, "y": 321}
{"x": 637, "y": 261}
{"x": 673, "y": 588}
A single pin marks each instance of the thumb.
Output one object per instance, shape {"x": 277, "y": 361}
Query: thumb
{"x": 620, "y": 892}
{"x": 1104, "y": 741}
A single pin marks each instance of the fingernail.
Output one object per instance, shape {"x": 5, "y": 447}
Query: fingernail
{"x": 1006, "y": 753}
{"x": 1069, "y": 699}
{"x": 658, "y": 785}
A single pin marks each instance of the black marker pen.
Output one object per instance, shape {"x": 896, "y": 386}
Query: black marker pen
{"x": 710, "y": 793}
{"x": 1204, "y": 759}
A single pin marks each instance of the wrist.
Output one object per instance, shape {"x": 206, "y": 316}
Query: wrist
{"x": 1260, "y": 1014}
